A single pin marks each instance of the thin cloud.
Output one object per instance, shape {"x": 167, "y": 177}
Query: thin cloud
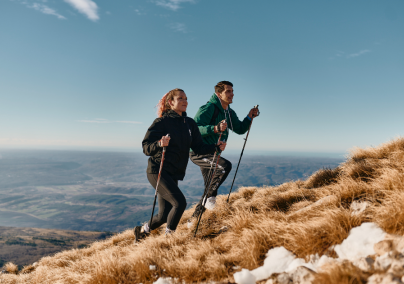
{"x": 86, "y": 7}
{"x": 46, "y": 10}
{"x": 339, "y": 53}
{"x": 173, "y": 5}
{"x": 139, "y": 12}
{"x": 179, "y": 27}
{"x": 362, "y": 52}
{"x": 43, "y": 8}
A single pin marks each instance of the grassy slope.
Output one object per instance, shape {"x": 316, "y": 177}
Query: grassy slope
{"x": 258, "y": 219}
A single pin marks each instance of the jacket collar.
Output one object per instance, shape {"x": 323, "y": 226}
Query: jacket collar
{"x": 173, "y": 114}
{"x": 214, "y": 99}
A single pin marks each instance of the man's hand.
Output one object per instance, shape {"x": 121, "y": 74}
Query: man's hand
{"x": 221, "y": 145}
{"x": 221, "y": 126}
{"x": 164, "y": 141}
{"x": 253, "y": 113}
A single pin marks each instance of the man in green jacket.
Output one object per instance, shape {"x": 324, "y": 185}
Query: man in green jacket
{"x": 212, "y": 118}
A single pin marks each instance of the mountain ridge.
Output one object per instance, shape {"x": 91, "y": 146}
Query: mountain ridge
{"x": 256, "y": 219}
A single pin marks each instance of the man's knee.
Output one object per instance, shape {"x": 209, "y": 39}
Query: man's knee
{"x": 227, "y": 166}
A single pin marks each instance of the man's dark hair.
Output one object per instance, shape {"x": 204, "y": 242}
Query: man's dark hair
{"x": 220, "y": 86}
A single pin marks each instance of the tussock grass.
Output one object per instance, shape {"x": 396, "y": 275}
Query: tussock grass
{"x": 11, "y": 268}
{"x": 345, "y": 273}
{"x": 257, "y": 219}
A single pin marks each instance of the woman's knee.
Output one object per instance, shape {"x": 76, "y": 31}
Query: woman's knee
{"x": 161, "y": 218}
{"x": 180, "y": 202}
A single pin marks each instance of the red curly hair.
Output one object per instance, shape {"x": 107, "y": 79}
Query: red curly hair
{"x": 163, "y": 104}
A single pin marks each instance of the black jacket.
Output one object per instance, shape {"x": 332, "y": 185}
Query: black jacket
{"x": 184, "y": 135}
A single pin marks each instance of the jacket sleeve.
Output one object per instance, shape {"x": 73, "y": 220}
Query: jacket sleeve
{"x": 202, "y": 119}
{"x": 151, "y": 140}
{"x": 198, "y": 146}
{"x": 240, "y": 127}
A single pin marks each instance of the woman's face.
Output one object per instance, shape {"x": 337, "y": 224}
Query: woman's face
{"x": 179, "y": 103}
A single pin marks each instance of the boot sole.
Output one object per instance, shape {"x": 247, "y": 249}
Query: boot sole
{"x": 137, "y": 232}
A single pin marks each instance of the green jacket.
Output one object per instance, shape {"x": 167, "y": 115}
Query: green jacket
{"x": 205, "y": 114}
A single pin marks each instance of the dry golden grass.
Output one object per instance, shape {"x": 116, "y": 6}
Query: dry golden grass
{"x": 345, "y": 273}
{"x": 257, "y": 219}
{"x": 11, "y": 268}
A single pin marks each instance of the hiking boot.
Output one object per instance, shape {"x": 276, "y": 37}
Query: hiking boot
{"x": 139, "y": 233}
{"x": 169, "y": 232}
{"x": 195, "y": 215}
{"x": 210, "y": 203}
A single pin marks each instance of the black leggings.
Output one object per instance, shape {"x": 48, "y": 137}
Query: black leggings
{"x": 172, "y": 202}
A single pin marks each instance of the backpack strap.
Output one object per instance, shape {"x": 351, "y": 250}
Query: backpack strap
{"x": 215, "y": 114}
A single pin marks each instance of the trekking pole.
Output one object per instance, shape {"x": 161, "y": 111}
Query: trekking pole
{"x": 207, "y": 188}
{"x": 158, "y": 181}
{"x": 242, "y": 151}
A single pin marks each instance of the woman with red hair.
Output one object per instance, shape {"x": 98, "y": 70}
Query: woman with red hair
{"x": 183, "y": 136}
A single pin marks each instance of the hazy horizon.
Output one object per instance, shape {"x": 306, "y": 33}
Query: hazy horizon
{"x": 233, "y": 152}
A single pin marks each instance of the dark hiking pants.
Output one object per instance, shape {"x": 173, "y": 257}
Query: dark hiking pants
{"x": 204, "y": 162}
{"x": 172, "y": 202}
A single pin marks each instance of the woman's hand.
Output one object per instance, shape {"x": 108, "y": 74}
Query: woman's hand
{"x": 222, "y": 145}
{"x": 164, "y": 141}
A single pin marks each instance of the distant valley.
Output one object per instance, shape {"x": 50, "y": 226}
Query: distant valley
{"x": 24, "y": 246}
{"x": 108, "y": 191}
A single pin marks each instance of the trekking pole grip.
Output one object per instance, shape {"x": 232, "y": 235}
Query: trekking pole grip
{"x": 258, "y": 113}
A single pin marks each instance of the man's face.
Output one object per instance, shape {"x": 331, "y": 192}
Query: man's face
{"x": 227, "y": 94}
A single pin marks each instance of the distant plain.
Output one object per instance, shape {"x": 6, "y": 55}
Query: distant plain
{"x": 108, "y": 191}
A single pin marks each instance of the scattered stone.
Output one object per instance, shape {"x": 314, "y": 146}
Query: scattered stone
{"x": 303, "y": 275}
{"x": 365, "y": 264}
{"x": 383, "y": 247}
{"x": 397, "y": 267}
{"x": 358, "y": 208}
{"x": 152, "y": 267}
{"x": 284, "y": 278}
{"x": 384, "y": 279}
{"x": 383, "y": 262}
{"x": 270, "y": 281}
{"x": 399, "y": 243}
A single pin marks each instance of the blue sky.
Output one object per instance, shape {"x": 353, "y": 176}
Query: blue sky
{"x": 86, "y": 74}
